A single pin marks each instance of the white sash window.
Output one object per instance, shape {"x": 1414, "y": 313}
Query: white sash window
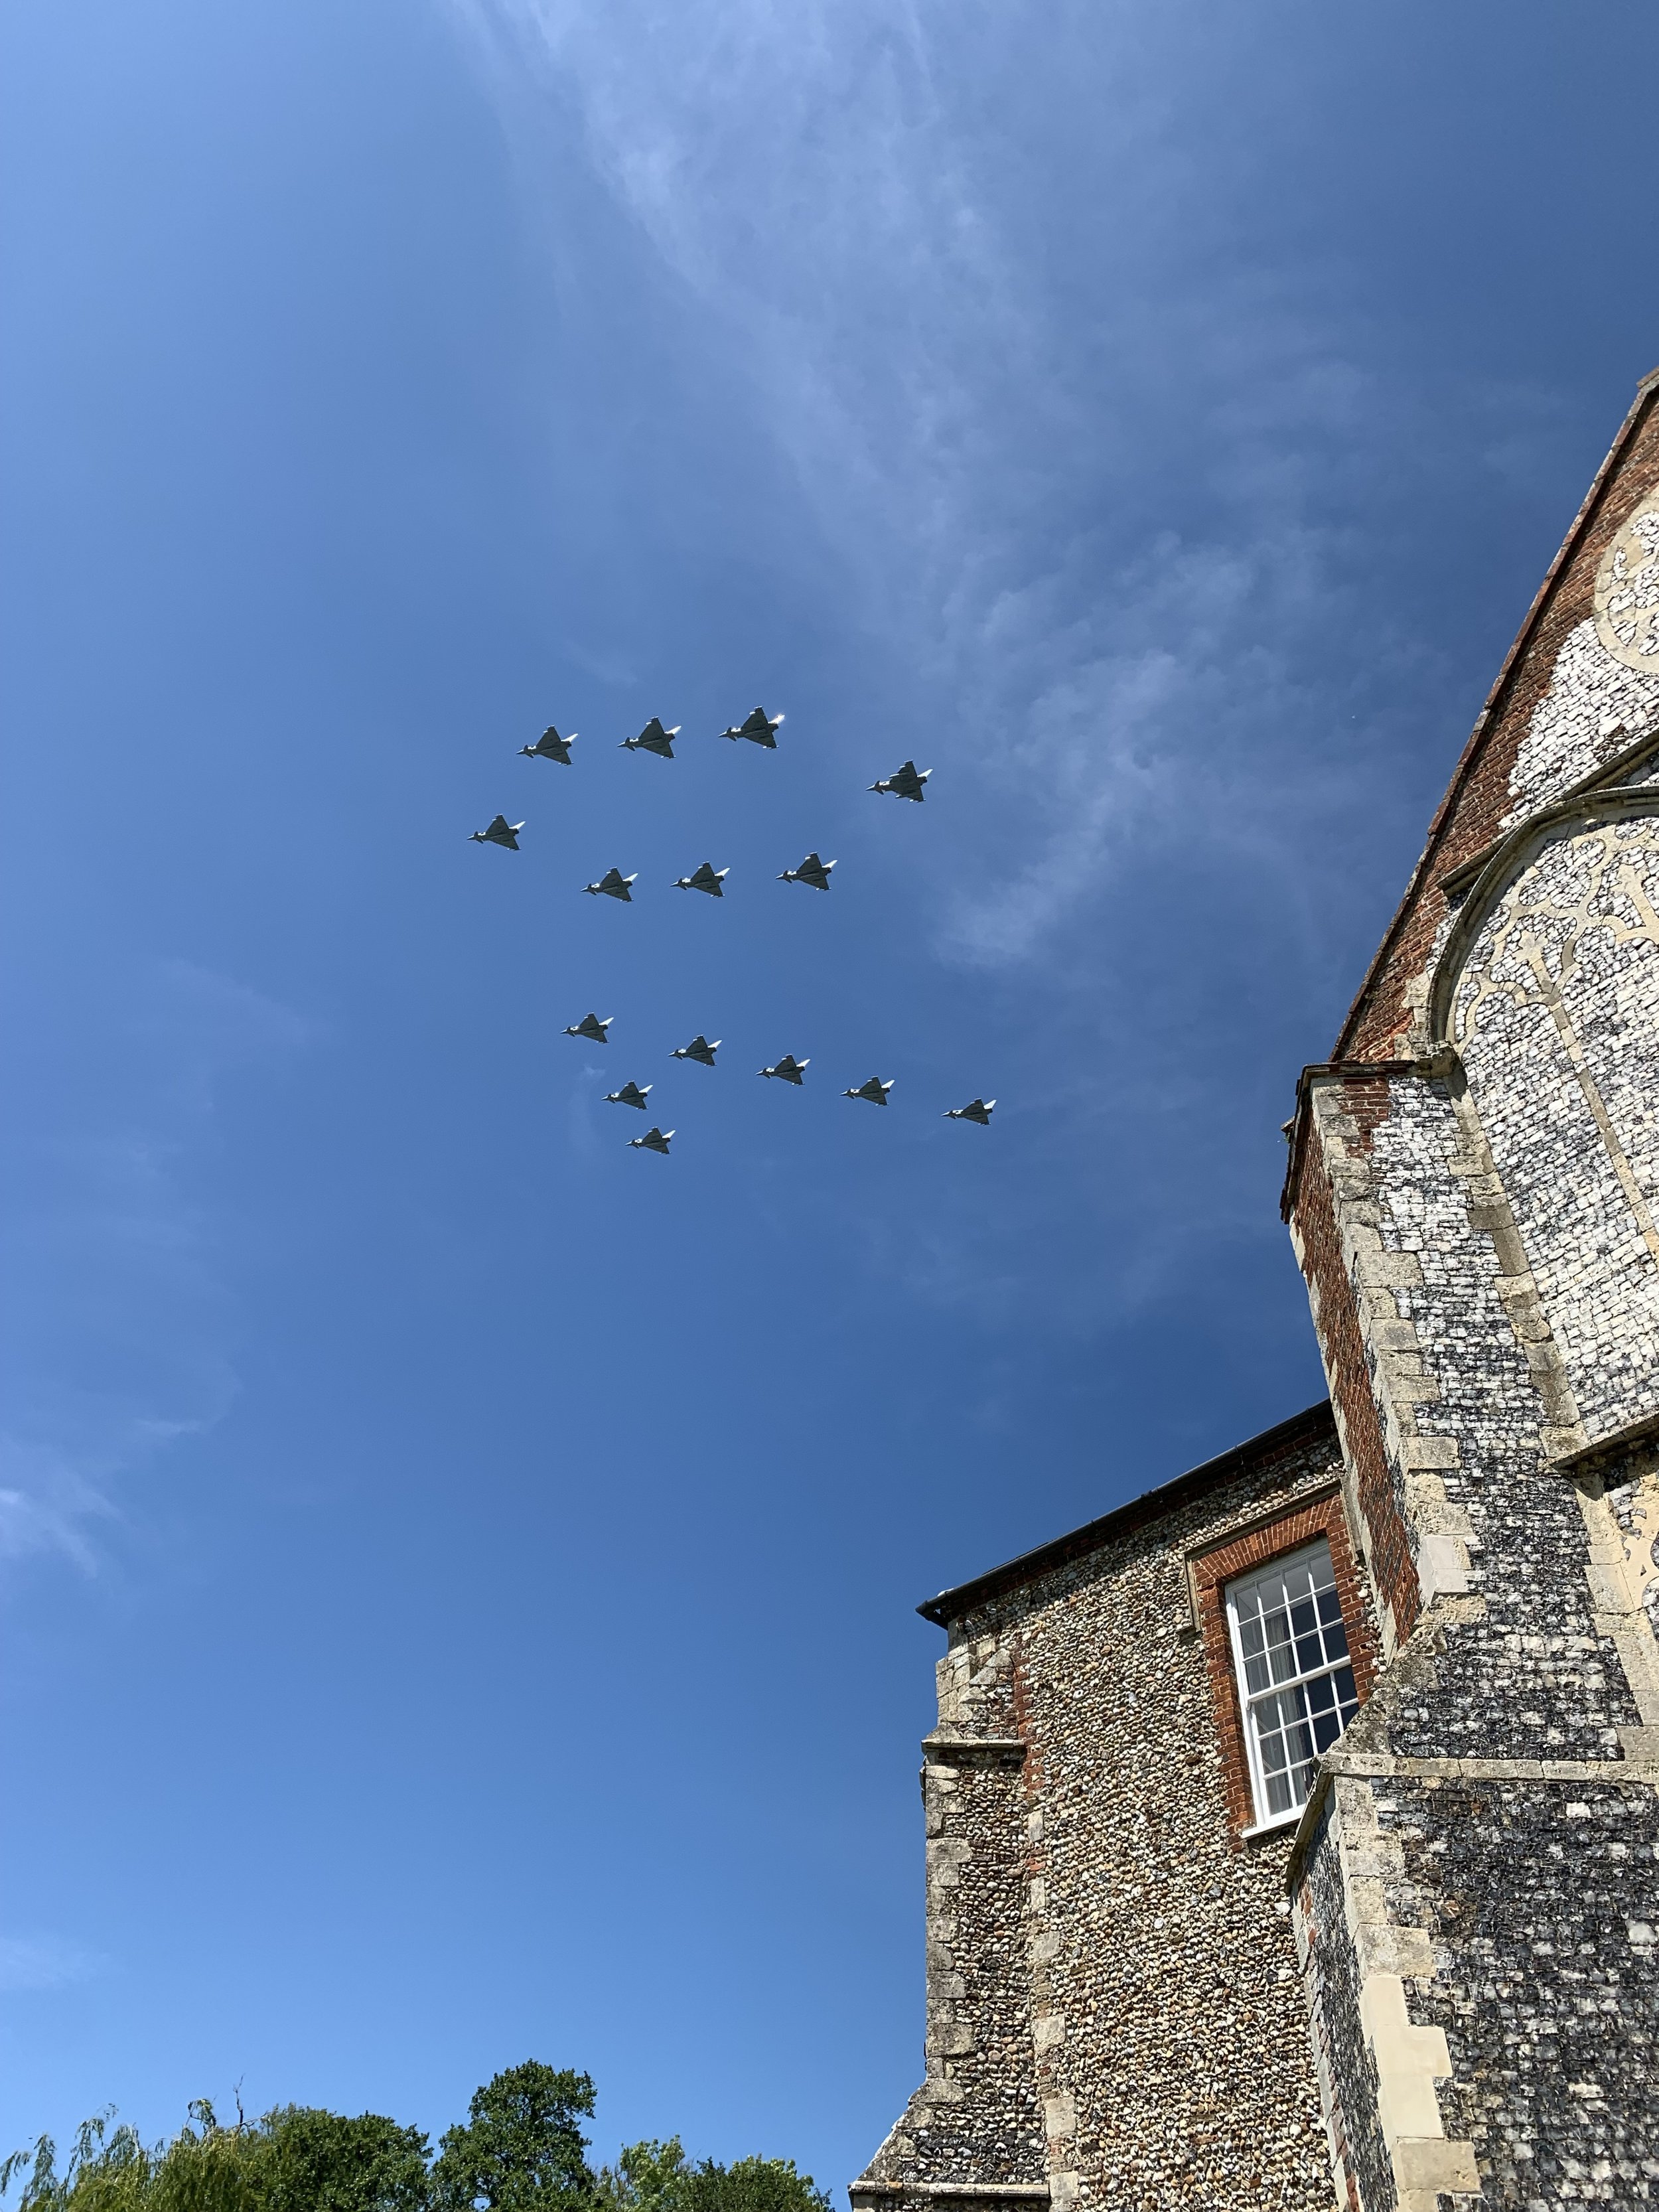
{"x": 1295, "y": 1679}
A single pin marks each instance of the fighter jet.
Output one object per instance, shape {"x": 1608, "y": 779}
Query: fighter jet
{"x": 614, "y": 884}
{"x": 706, "y": 878}
{"x": 629, "y": 1095}
{"x": 788, "y": 1069}
{"x": 760, "y": 728}
{"x": 592, "y": 1026}
{"x": 875, "y": 1091}
{"x": 549, "y": 746}
{"x": 905, "y": 782}
{"x": 812, "y": 871}
{"x": 699, "y": 1049}
{"x": 652, "y": 739}
{"x": 977, "y": 1110}
{"x": 653, "y": 1140}
{"x": 500, "y": 832}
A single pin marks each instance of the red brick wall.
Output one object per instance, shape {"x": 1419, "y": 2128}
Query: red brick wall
{"x": 1213, "y": 1571}
{"x": 1470, "y": 814}
{"x": 1392, "y": 1566}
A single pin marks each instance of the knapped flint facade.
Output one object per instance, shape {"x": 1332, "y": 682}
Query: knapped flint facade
{"x": 1436, "y": 1983}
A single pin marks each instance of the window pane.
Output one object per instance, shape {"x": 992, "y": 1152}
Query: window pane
{"x": 1298, "y": 1687}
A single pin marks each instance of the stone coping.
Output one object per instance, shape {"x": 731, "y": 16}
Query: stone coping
{"x": 943, "y": 1748}
{"x": 1629, "y": 1438}
{"x": 1383, "y": 1766}
{"x": 1022, "y": 2192}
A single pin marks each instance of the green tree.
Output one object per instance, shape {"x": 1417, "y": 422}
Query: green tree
{"x": 753, "y": 2184}
{"x": 656, "y": 2177}
{"x": 521, "y": 2148}
{"x": 294, "y": 2159}
{"x": 648, "y": 2177}
{"x": 205, "y": 2168}
{"x": 318, "y": 2161}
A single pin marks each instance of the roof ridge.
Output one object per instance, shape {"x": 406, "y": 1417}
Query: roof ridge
{"x": 1440, "y": 821}
{"x": 1163, "y": 1498}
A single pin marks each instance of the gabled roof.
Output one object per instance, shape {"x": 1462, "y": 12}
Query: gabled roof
{"x": 1151, "y": 1505}
{"x": 1490, "y": 715}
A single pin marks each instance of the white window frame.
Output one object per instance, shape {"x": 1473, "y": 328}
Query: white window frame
{"x": 1310, "y": 1565}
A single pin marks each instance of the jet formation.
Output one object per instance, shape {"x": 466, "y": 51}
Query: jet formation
{"x": 758, "y": 728}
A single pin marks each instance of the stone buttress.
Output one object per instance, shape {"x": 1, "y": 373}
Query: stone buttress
{"x": 1473, "y": 1191}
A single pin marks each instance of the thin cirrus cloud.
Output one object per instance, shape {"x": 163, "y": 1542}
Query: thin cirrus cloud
{"x": 122, "y": 1326}
{"x": 987, "y": 362}
{"x": 46, "y": 1962}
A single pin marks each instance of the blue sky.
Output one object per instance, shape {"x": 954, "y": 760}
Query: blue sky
{"x": 457, "y": 1570}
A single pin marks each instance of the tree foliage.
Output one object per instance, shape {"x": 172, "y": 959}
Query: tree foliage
{"x": 295, "y": 2159}
{"x": 521, "y": 2149}
{"x": 315, "y": 2161}
{"x": 657, "y": 2176}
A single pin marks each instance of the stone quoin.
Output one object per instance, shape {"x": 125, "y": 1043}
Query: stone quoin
{"x": 1291, "y": 1831}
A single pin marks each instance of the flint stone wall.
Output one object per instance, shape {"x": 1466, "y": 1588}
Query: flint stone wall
{"x": 1124, "y": 2019}
{"x": 1557, "y": 1020}
{"x": 1546, "y": 1984}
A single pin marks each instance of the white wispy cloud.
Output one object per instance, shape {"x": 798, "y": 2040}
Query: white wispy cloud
{"x": 121, "y": 1322}
{"x": 901, "y": 223}
{"x": 46, "y": 1962}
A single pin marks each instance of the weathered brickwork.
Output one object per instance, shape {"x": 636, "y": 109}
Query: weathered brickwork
{"x": 1440, "y": 1987}
{"x": 1375, "y": 1502}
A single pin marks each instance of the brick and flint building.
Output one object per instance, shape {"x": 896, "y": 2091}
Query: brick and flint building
{"x": 1291, "y": 1831}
